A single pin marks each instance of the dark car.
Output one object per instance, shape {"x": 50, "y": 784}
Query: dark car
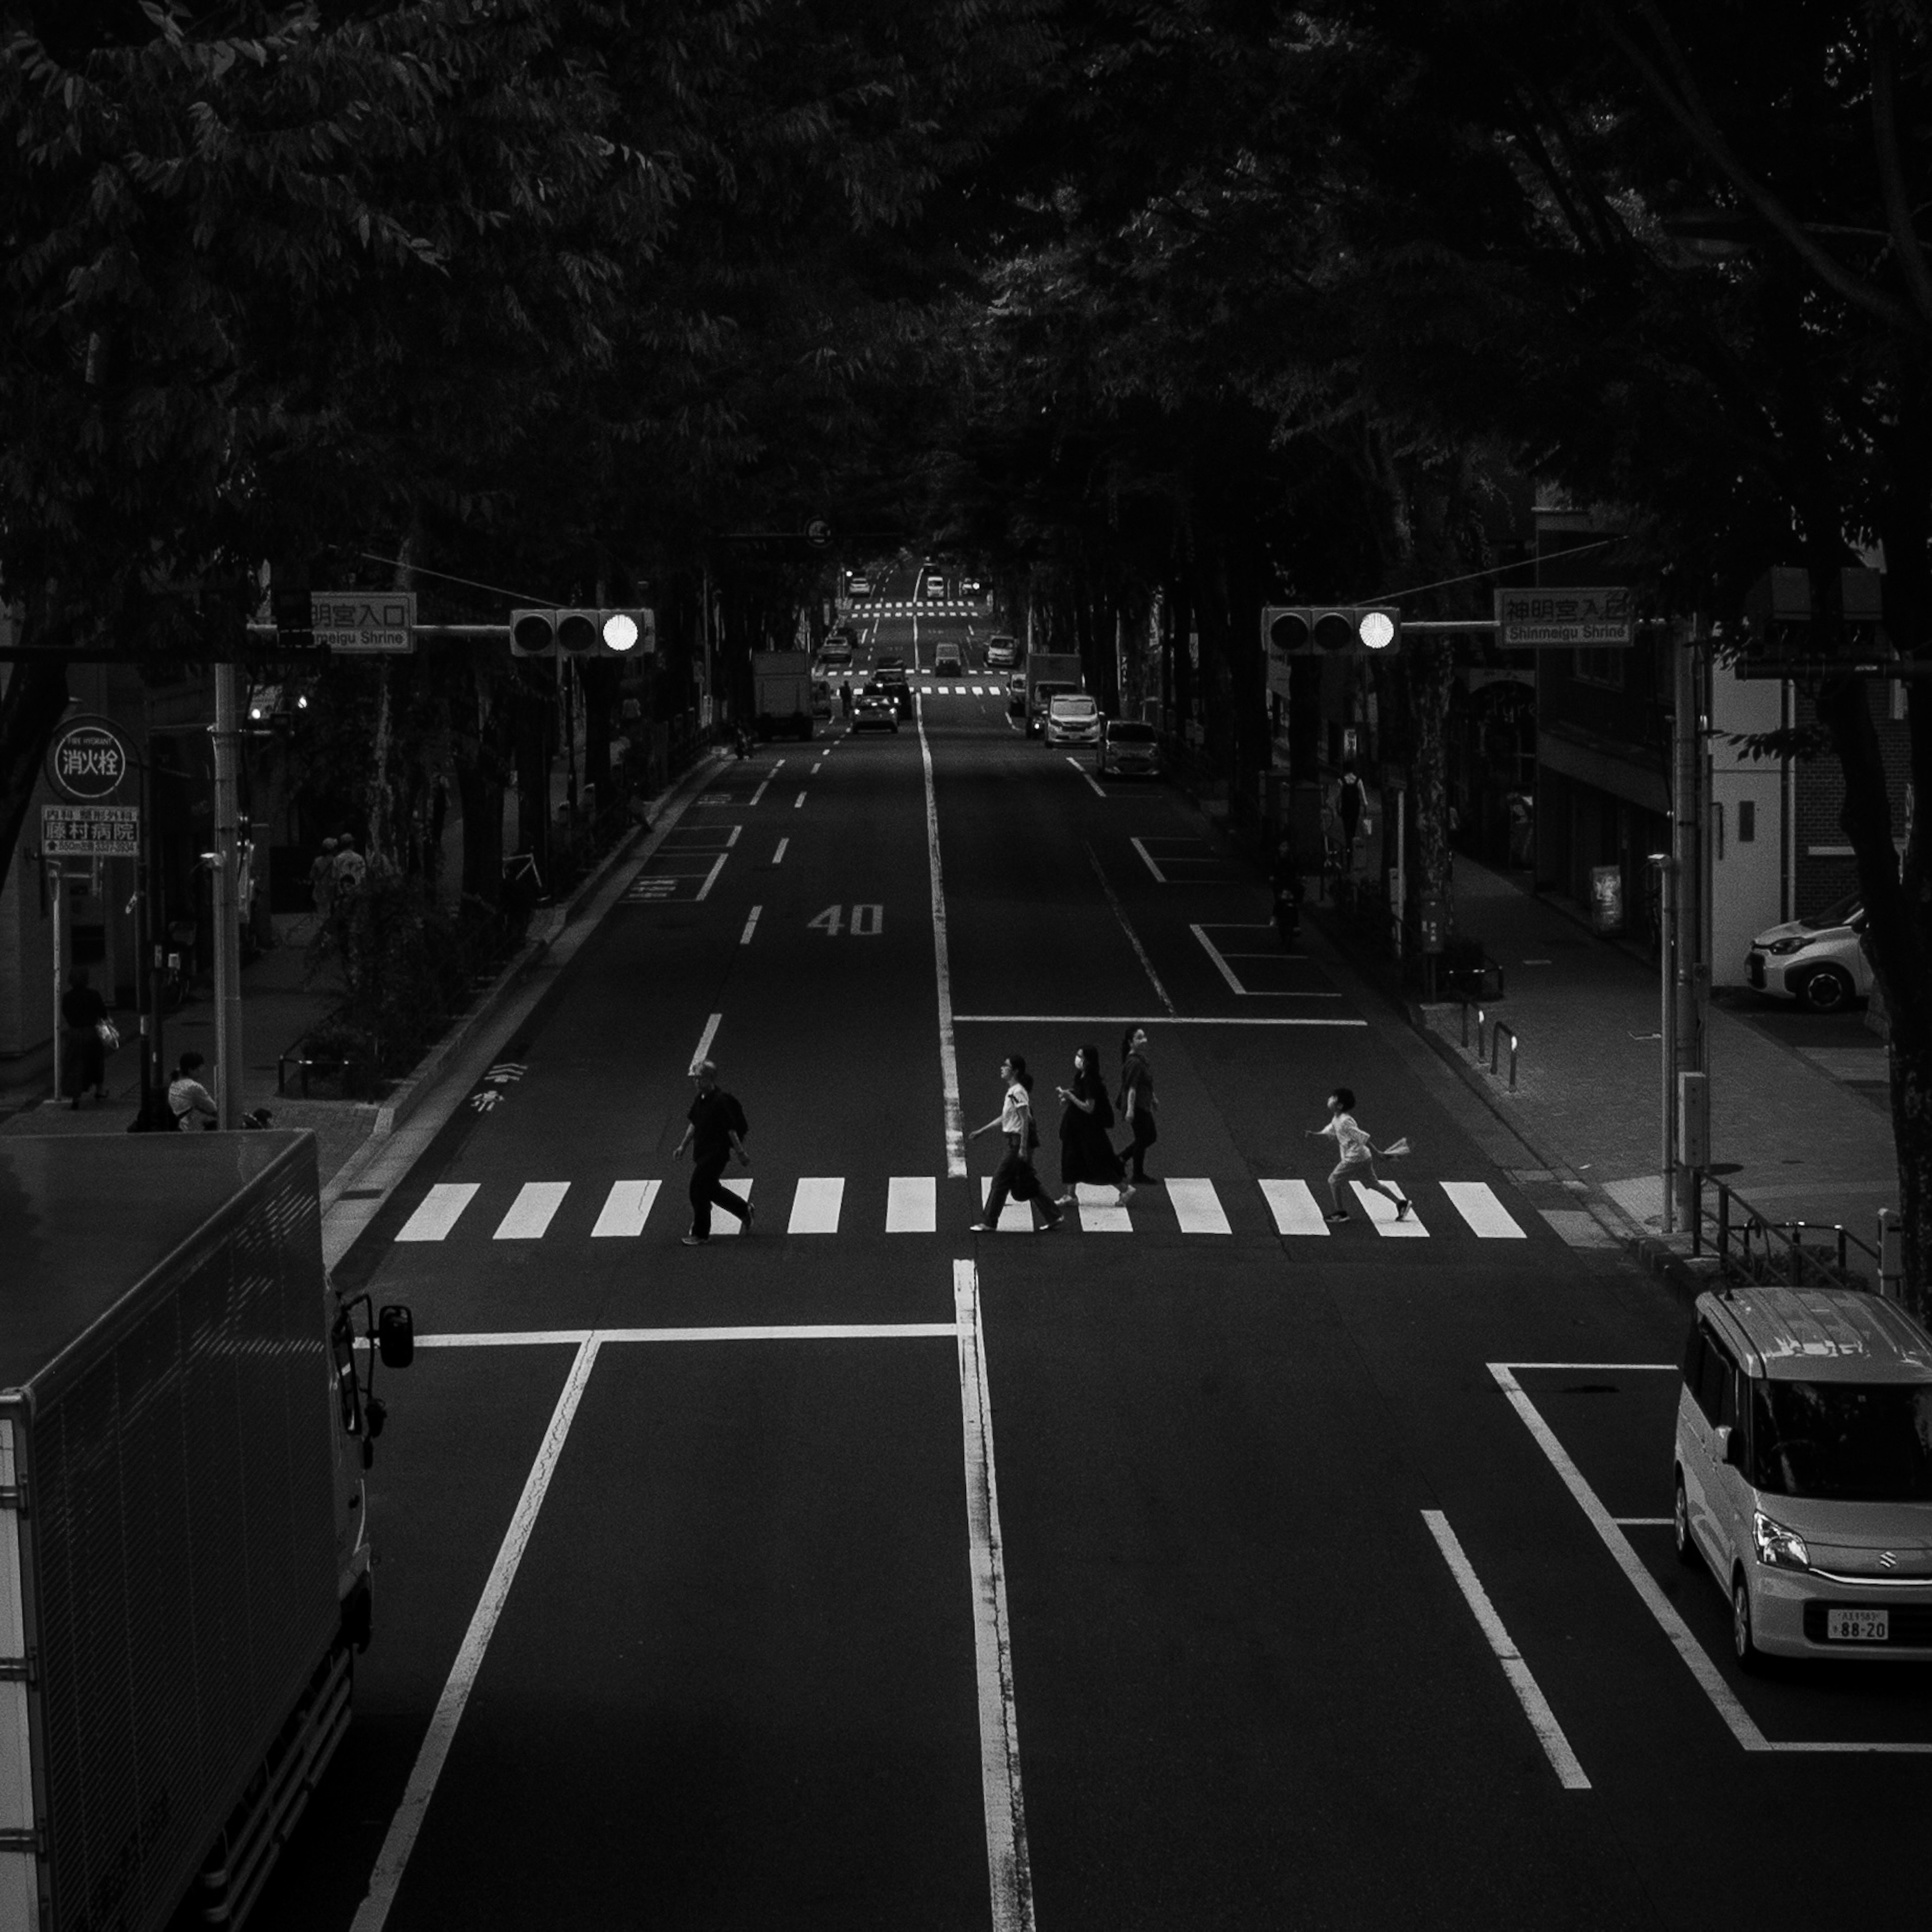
{"x": 837, "y": 648}
{"x": 875, "y": 708}
{"x": 1128, "y": 749}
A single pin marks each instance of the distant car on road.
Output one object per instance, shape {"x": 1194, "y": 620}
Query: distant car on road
{"x": 1016, "y": 694}
{"x": 1818, "y": 961}
{"x": 875, "y": 708}
{"x": 1040, "y": 702}
{"x": 1128, "y": 748}
{"x": 1003, "y": 652}
{"x": 946, "y": 662}
{"x": 889, "y": 668}
{"x": 861, "y": 587}
{"x": 935, "y": 586}
{"x": 1073, "y": 718}
{"x": 837, "y": 649}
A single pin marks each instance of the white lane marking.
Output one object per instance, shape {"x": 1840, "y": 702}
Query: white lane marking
{"x": 1743, "y": 1727}
{"x": 438, "y": 1210}
{"x": 705, "y": 1039}
{"x": 798, "y": 801}
{"x": 760, "y": 793}
{"x": 815, "y": 1203}
{"x": 1133, "y": 938}
{"x": 626, "y": 1208}
{"x": 1381, "y": 1211}
{"x": 775, "y": 763}
{"x": 399, "y": 1839}
{"x": 1008, "y": 1866}
{"x": 1477, "y": 1203}
{"x": 1015, "y": 1217}
{"x": 1226, "y": 971}
{"x": 823, "y": 1331}
{"x": 750, "y": 926}
{"x": 723, "y": 1222}
{"x": 1086, "y": 775}
{"x": 1638, "y": 1521}
{"x": 1135, "y": 1019}
{"x": 1295, "y": 1209}
{"x": 948, "y": 1060}
{"x": 1197, "y": 1206}
{"x": 734, "y": 839}
{"x": 815, "y": 770}
{"x": 530, "y": 1213}
{"x": 711, "y": 878}
{"x": 778, "y": 857}
{"x": 978, "y": 691}
{"x": 1160, "y": 878}
{"x": 912, "y": 1204}
{"x": 1100, "y": 1210}
{"x": 1563, "y": 1760}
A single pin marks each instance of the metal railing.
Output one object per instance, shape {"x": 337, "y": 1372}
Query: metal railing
{"x": 1751, "y": 1247}
{"x": 1497, "y": 1028}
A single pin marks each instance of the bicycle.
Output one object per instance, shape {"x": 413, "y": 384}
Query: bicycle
{"x": 518, "y": 866}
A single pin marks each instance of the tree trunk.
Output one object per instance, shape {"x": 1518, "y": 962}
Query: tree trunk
{"x": 31, "y": 706}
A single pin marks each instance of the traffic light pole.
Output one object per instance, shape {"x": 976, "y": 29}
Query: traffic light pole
{"x": 227, "y": 920}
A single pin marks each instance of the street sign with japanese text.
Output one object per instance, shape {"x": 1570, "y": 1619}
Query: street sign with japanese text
{"x": 90, "y": 831}
{"x": 88, "y": 759}
{"x": 1588, "y": 618}
{"x": 364, "y": 620}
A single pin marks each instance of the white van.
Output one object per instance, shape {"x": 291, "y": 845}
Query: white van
{"x": 1803, "y": 1475}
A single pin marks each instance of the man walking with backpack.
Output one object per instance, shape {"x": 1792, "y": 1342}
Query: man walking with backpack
{"x": 715, "y": 1129}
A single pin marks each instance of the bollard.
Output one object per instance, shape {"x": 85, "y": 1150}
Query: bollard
{"x": 1479, "y": 1033}
{"x": 1465, "y": 1026}
{"x": 1891, "y": 1254}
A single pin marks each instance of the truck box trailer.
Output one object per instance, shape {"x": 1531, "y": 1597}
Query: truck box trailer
{"x": 185, "y": 1421}
{"x": 782, "y": 693}
{"x": 1058, "y": 669}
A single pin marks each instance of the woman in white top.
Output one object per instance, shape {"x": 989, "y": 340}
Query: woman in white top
{"x": 1015, "y": 1174}
{"x": 1356, "y": 1161}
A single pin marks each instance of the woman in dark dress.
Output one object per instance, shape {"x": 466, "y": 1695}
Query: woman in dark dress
{"x": 1086, "y": 1153}
{"x": 83, "y": 1058}
{"x": 1137, "y": 1102}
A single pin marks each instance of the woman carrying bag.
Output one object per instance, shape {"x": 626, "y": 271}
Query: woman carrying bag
{"x": 1015, "y": 1174}
{"x": 1137, "y": 1102}
{"x": 1086, "y": 1153}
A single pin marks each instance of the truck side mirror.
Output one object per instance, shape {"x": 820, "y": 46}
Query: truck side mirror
{"x": 395, "y": 1336}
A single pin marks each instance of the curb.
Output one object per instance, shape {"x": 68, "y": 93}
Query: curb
{"x": 636, "y": 844}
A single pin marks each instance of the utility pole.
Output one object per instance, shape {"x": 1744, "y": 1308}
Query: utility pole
{"x": 227, "y": 915}
{"x": 1689, "y": 962}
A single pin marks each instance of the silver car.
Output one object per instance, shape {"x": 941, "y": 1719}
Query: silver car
{"x": 1819, "y": 960}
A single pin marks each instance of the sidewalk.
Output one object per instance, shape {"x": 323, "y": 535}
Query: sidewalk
{"x": 1798, "y": 1144}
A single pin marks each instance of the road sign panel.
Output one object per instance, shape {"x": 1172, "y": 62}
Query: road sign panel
{"x": 1589, "y": 617}
{"x": 371, "y": 621}
{"x": 90, "y": 831}
{"x": 88, "y": 759}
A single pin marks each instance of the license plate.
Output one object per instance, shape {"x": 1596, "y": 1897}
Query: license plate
{"x": 1858, "y": 1626}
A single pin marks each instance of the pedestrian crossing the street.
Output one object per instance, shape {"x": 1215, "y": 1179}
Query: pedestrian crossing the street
{"x": 823, "y": 1205}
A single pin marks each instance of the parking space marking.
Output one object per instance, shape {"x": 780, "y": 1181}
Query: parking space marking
{"x": 1563, "y": 1760}
{"x": 1697, "y": 1659}
{"x": 1133, "y": 938}
{"x": 1235, "y": 984}
{"x": 1160, "y": 878}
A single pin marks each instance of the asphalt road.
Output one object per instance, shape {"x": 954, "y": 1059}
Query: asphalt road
{"x": 1170, "y": 1570}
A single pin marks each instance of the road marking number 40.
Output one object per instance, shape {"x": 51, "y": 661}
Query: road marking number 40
{"x": 867, "y": 922}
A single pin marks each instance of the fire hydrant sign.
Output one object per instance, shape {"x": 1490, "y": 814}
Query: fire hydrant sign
{"x": 364, "y": 620}
{"x": 90, "y": 831}
{"x": 1590, "y": 619}
{"x": 87, "y": 759}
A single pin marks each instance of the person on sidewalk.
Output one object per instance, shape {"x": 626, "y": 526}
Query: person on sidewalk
{"x": 1015, "y": 1174}
{"x": 322, "y": 882}
{"x": 187, "y": 1098}
{"x": 1137, "y": 1103}
{"x": 715, "y": 1129}
{"x": 350, "y": 866}
{"x": 1356, "y": 1161}
{"x": 83, "y": 1051}
{"x": 1351, "y": 807}
{"x": 1086, "y": 1152}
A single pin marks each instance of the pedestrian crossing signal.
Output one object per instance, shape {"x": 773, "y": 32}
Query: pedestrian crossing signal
{"x": 631, "y": 632}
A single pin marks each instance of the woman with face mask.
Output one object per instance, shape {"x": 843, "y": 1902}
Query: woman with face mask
{"x": 1086, "y": 1153}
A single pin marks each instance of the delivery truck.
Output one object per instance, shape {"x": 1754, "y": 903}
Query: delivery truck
{"x": 782, "y": 693}
{"x": 1049, "y": 675}
{"x": 187, "y": 1409}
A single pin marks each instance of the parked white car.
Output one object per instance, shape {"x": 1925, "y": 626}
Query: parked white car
{"x": 1819, "y": 960}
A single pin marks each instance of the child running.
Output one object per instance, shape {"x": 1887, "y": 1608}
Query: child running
{"x": 1357, "y": 1156}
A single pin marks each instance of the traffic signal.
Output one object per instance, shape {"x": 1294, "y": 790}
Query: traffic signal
{"x": 584, "y": 634}
{"x": 1330, "y": 630}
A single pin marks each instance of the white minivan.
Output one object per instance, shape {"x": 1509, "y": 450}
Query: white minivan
{"x": 1803, "y": 1471}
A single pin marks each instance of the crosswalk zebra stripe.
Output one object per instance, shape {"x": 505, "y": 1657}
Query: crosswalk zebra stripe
{"x": 815, "y": 1204}
{"x": 1197, "y": 1206}
{"x": 626, "y": 1208}
{"x": 1015, "y": 1217}
{"x": 438, "y": 1211}
{"x": 1295, "y": 1209}
{"x": 1487, "y": 1217}
{"x": 912, "y": 1204}
{"x": 530, "y": 1213}
{"x": 1381, "y": 1211}
{"x": 1100, "y": 1210}
{"x": 723, "y": 1223}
